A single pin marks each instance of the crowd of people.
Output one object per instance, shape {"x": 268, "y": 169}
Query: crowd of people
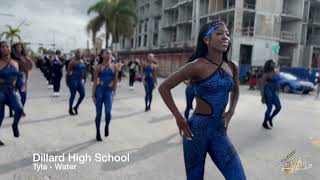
{"x": 209, "y": 75}
{"x": 105, "y": 70}
{"x": 15, "y": 67}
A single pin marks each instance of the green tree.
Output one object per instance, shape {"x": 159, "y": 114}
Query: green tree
{"x": 117, "y": 16}
{"x": 12, "y": 32}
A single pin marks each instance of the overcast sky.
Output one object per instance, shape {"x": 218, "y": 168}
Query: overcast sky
{"x": 48, "y": 21}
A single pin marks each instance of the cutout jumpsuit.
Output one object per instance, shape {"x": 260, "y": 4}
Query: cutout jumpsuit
{"x": 209, "y": 132}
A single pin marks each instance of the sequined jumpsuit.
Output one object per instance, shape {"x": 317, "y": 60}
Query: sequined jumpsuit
{"x": 148, "y": 70}
{"x": 103, "y": 95}
{"x": 75, "y": 84}
{"x": 209, "y": 132}
{"x": 272, "y": 97}
{"x": 8, "y": 76}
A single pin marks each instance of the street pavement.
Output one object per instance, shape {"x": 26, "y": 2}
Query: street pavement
{"x": 151, "y": 138}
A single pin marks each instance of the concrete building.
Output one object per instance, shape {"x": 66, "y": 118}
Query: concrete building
{"x": 286, "y": 30}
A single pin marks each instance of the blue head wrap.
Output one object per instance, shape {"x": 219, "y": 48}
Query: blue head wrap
{"x": 213, "y": 28}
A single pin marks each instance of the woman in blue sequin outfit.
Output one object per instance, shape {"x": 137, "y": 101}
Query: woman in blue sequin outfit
{"x": 104, "y": 89}
{"x": 213, "y": 77}
{"x": 9, "y": 71}
{"x": 269, "y": 92}
{"x": 149, "y": 80}
{"x": 25, "y": 66}
{"x": 75, "y": 80}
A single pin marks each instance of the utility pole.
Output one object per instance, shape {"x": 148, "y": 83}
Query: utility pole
{"x": 54, "y": 39}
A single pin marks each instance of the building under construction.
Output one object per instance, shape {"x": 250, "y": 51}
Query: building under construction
{"x": 285, "y": 30}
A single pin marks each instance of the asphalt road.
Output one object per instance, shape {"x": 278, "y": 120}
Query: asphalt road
{"x": 151, "y": 138}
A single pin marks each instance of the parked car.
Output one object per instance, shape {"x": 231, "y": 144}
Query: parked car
{"x": 289, "y": 83}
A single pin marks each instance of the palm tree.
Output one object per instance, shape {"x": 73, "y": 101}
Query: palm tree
{"x": 118, "y": 17}
{"x": 11, "y": 33}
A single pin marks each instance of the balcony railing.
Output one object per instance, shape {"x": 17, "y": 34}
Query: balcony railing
{"x": 288, "y": 36}
{"x": 287, "y": 11}
{"x": 176, "y": 44}
{"x": 184, "y": 1}
{"x": 314, "y": 39}
{"x": 314, "y": 20}
{"x": 167, "y": 24}
{"x": 315, "y": 1}
{"x": 184, "y": 18}
{"x": 247, "y": 31}
{"x": 170, "y": 3}
{"x": 249, "y": 6}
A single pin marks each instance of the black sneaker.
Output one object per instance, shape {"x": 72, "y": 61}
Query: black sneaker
{"x": 15, "y": 131}
{"x": 265, "y": 125}
{"x": 1, "y": 143}
{"x": 98, "y": 137}
{"x": 270, "y": 122}
{"x": 106, "y": 131}
{"x": 71, "y": 112}
{"x": 75, "y": 110}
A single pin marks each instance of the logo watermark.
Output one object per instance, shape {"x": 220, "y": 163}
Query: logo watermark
{"x": 292, "y": 163}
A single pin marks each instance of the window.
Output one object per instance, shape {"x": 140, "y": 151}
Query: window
{"x": 245, "y": 54}
{"x": 145, "y": 40}
{"x": 140, "y": 27}
{"x": 146, "y": 26}
{"x": 156, "y": 24}
{"x": 249, "y": 4}
{"x": 123, "y": 43}
{"x": 288, "y": 76}
{"x": 203, "y": 21}
{"x": 155, "y": 39}
{"x": 139, "y": 41}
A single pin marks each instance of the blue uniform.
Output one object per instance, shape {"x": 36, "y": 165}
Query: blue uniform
{"x": 75, "y": 84}
{"x": 209, "y": 132}
{"x": 23, "y": 94}
{"x": 19, "y": 85}
{"x": 8, "y": 75}
{"x": 189, "y": 97}
{"x": 148, "y": 78}
{"x": 271, "y": 97}
{"x": 103, "y": 95}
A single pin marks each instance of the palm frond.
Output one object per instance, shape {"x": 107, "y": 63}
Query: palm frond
{"x": 8, "y": 36}
{"x": 98, "y": 7}
{"x": 118, "y": 16}
{"x": 2, "y": 34}
{"x": 94, "y": 26}
{"x": 17, "y": 36}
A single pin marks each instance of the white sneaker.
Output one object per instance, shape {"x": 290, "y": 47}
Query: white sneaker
{"x": 131, "y": 88}
{"x": 50, "y": 87}
{"x": 57, "y": 94}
